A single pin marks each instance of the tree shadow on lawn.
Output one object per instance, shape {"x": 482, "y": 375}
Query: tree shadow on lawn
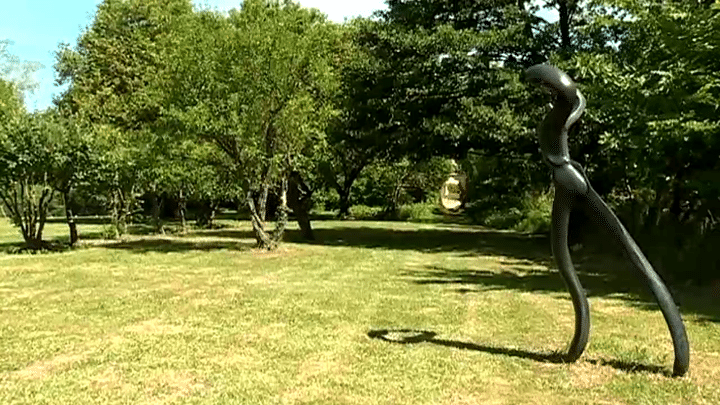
{"x": 141, "y": 239}
{"x": 171, "y": 245}
{"x": 514, "y": 277}
{"x": 603, "y": 275}
{"x": 618, "y": 282}
{"x": 442, "y": 238}
{"x": 412, "y": 336}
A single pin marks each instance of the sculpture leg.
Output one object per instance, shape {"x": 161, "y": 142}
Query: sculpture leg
{"x": 562, "y": 204}
{"x": 612, "y": 224}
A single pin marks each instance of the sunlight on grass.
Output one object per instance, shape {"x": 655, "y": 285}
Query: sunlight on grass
{"x": 372, "y": 313}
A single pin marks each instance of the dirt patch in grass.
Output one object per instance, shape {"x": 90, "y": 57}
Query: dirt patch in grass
{"x": 264, "y": 279}
{"x": 154, "y": 327}
{"x": 322, "y": 367}
{"x": 307, "y": 394}
{"x": 495, "y": 391}
{"x": 246, "y": 358}
{"x": 587, "y": 375}
{"x": 108, "y": 379}
{"x": 705, "y": 368}
{"x": 171, "y": 386}
{"x": 44, "y": 368}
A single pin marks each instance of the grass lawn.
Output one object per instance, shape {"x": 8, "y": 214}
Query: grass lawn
{"x": 372, "y": 313}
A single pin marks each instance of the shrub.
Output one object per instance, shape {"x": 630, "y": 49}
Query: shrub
{"x": 365, "y": 212}
{"x": 536, "y": 213}
{"x": 418, "y": 212}
{"x": 531, "y": 213}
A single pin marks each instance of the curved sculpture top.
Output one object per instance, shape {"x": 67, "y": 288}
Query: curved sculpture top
{"x": 568, "y": 106}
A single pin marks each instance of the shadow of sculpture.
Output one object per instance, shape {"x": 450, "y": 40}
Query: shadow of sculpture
{"x": 414, "y": 336}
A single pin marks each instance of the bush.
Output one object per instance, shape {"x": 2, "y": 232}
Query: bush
{"x": 532, "y": 213}
{"x": 418, "y": 212}
{"x": 326, "y": 200}
{"x": 536, "y": 213}
{"x": 365, "y": 212}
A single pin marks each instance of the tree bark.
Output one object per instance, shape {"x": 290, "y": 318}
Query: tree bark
{"x": 564, "y": 17}
{"x": 182, "y": 203}
{"x": 72, "y": 226}
{"x": 156, "y": 220}
{"x": 344, "y": 191}
{"x": 120, "y": 210}
{"x": 299, "y": 198}
{"x": 265, "y": 239}
{"x": 206, "y": 215}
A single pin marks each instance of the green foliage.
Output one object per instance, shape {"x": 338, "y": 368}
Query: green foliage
{"x": 531, "y": 214}
{"x": 35, "y": 154}
{"x": 265, "y": 73}
{"x": 118, "y": 70}
{"x": 419, "y": 212}
{"x": 10, "y": 101}
{"x": 536, "y": 211}
{"x": 326, "y": 199}
{"x": 257, "y": 83}
{"x": 393, "y": 184}
{"x": 652, "y": 117}
{"x": 118, "y": 75}
{"x": 365, "y": 212}
{"x": 19, "y": 73}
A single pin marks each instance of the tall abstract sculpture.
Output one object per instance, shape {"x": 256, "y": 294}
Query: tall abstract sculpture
{"x": 572, "y": 187}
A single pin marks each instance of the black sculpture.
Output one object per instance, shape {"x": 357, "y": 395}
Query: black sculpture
{"x": 572, "y": 186}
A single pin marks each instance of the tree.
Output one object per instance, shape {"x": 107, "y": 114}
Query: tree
{"x": 10, "y": 101}
{"x": 117, "y": 70}
{"x": 12, "y": 70}
{"x": 31, "y": 163}
{"x": 256, "y": 84}
{"x": 652, "y": 106}
{"x": 76, "y": 164}
{"x": 118, "y": 73}
{"x": 445, "y": 78}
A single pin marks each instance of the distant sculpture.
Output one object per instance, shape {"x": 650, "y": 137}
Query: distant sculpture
{"x": 453, "y": 193}
{"x": 572, "y": 187}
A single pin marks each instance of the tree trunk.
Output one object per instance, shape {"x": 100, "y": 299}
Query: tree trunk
{"x": 564, "y": 17}
{"x": 182, "y": 207}
{"x": 268, "y": 240}
{"x": 28, "y": 205}
{"x": 67, "y": 200}
{"x": 120, "y": 210}
{"x": 156, "y": 206}
{"x": 344, "y": 191}
{"x": 344, "y": 202}
{"x": 206, "y": 215}
{"x": 299, "y": 199}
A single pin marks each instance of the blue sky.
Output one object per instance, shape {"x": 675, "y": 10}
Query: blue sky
{"x": 37, "y": 27}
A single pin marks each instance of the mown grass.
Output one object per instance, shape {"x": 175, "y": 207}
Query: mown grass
{"x": 371, "y": 313}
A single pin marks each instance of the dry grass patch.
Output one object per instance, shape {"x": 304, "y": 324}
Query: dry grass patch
{"x": 705, "y": 367}
{"x": 154, "y": 327}
{"x": 45, "y": 368}
{"x": 108, "y": 379}
{"x": 494, "y": 391}
{"x": 587, "y": 375}
{"x": 171, "y": 386}
{"x": 322, "y": 367}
